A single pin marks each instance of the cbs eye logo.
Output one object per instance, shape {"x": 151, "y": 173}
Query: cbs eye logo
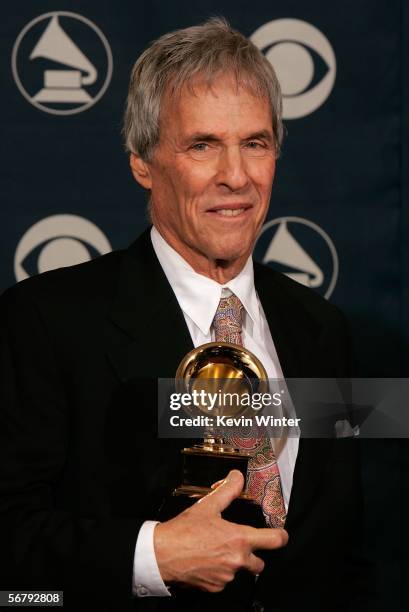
{"x": 56, "y": 242}
{"x": 287, "y": 44}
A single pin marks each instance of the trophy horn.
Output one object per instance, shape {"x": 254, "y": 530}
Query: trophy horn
{"x": 221, "y": 364}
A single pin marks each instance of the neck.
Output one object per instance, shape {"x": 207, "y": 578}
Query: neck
{"x": 219, "y": 270}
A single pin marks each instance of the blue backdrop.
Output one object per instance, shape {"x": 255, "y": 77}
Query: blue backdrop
{"x": 339, "y": 213}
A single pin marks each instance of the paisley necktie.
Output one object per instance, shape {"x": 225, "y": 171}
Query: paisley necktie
{"x": 263, "y": 477}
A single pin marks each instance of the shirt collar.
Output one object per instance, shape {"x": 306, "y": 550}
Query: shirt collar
{"x": 198, "y": 295}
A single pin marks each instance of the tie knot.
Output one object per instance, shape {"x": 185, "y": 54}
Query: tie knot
{"x": 227, "y": 321}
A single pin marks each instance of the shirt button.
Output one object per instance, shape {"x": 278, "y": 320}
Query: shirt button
{"x": 141, "y": 591}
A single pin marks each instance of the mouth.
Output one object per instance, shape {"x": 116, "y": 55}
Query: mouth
{"x": 230, "y": 210}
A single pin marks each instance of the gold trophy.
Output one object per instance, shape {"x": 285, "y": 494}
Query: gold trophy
{"x": 227, "y": 368}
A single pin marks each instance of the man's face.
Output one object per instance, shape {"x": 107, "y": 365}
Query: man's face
{"x": 212, "y": 172}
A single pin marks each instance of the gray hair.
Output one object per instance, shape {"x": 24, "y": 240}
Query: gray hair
{"x": 174, "y": 59}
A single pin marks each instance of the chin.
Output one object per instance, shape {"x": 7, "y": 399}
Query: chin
{"x": 230, "y": 252}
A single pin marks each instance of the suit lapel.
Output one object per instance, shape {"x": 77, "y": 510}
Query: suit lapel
{"x": 278, "y": 321}
{"x": 145, "y": 309}
{"x": 293, "y": 336}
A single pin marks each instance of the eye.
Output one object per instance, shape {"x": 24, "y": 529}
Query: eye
{"x": 255, "y": 148}
{"x": 296, "y": 49}
{"x": 200, "y": 146}
{"x": 58, "y": 241}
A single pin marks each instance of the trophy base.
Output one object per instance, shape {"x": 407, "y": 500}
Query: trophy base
{"x": 199, "y": 492}
{"x": 204, "y": 465}
{"x": 243, "y": 509}
{"x": 207, "y": 464}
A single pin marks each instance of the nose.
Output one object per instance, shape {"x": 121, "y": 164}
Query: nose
{"x": 231, "y": 169}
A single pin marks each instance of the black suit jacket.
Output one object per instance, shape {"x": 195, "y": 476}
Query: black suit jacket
{"x": 81, "y": 464}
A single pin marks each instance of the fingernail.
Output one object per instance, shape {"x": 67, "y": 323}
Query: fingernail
{"x": 217, "y": 484}
{"x": 233, "y": 474}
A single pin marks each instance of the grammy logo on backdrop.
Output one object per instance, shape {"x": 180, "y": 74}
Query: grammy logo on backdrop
{"x": 300, "y": 249}
{"x": 63, "y": 85}
{"x": 62, "y": 62}
{"x": 286, "y": 250}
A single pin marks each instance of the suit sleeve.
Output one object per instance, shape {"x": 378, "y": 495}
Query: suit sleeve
{"x": 44, "y": 546}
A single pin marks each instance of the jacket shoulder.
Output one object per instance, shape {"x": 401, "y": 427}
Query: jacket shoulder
{"x": 92, "y": 279}
{"x": 298, "y": 297}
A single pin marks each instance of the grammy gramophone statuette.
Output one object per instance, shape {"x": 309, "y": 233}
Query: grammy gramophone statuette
{"x": 226, "y": 368}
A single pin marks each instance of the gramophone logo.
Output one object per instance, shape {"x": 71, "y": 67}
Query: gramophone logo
{"x": 62, "y": 63}
{"x": 300, "y": 249}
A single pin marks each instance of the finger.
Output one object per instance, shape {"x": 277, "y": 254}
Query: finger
{"x": 254, "y": 564}
{"x": 216, "y": 484}
{"x": 267, "y": 538}
{"x": 217, "y": 587}
{"x": 224, "y": 494}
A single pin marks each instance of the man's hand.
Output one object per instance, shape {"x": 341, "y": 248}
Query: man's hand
{"x": 199, "y": 549}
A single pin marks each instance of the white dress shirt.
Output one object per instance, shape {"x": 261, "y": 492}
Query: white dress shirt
{"x": 198, "y": 297}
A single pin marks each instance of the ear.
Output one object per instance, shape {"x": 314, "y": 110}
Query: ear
{"x": 141, "y": 171}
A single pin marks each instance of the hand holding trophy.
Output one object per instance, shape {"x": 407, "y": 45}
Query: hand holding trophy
{"x": 215, "y": 545}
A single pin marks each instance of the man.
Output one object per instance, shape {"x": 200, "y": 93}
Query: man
{"x": 83, "y": 473}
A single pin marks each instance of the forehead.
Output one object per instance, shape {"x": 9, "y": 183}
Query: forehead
{"x": 221, "y": 103}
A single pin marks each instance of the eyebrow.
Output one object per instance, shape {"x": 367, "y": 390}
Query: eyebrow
{"x": 199, "y": 136}
{"x": 262, "y": 135}
{"x": 208, "y": 136}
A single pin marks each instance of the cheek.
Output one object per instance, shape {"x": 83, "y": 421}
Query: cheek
{"x": 178, "y": 195}
{"x": 263, "y": 178}
{"x": 194, "y": 177}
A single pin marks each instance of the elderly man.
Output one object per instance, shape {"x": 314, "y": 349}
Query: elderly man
{"x": 83, "y": 472}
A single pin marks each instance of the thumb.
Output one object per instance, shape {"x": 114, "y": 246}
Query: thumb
{"x": 229, "y": 489}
